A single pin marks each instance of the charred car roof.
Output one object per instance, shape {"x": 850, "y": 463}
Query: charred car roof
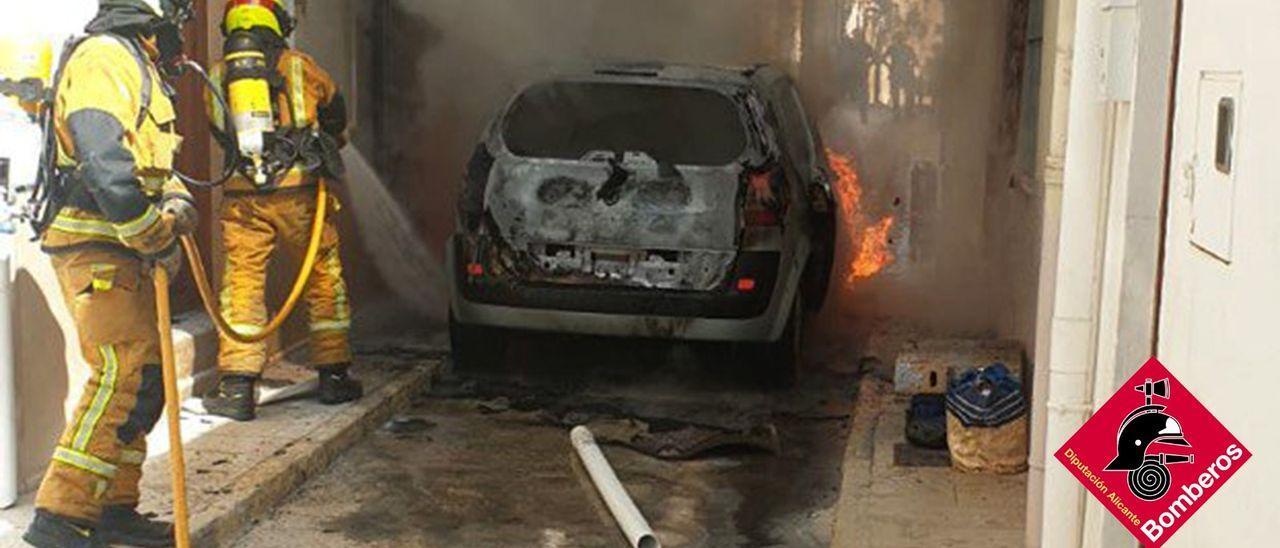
{"x": 674, "y": 73}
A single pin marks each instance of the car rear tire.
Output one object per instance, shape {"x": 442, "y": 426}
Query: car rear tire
{"x": 476, "y": 347}
{"x": 817, "y": 273}
{"x": 778, "y": 363}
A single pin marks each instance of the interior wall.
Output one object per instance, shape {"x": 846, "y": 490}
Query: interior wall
{"x": 1014, "y": 200}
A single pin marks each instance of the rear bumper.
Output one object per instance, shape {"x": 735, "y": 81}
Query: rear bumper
{"x": 623, "y": 312}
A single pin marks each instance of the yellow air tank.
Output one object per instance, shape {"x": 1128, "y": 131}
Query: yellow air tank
{"x": 249, "y": 96}
{"x": 26, "y": 65}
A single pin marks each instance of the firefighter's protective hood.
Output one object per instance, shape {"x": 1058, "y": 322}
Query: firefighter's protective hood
{"x": 116, "y": 15}
{"x": 162, "y": 19}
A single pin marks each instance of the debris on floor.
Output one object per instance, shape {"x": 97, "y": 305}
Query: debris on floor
{"x": 402, "y": 425}
{"x": 924, "y": 367}
{"x": 684, "y": 441}
{"x": 616, "y": 423}
{"x": 927, "y": 421}
{"x": 495, "y": 405}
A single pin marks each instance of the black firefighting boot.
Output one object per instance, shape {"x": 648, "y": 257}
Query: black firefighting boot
{"x": 337, "y": 386}
{"x": 233, "y": 398}
{"x": 49, "y": 530}
{"x": 125, "y": 526}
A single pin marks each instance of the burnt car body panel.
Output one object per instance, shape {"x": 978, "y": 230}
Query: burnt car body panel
{"x": 537, "y": 203}
{"x": 618, "y": 242}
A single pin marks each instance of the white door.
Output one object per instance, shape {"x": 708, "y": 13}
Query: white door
{"x": 1220, "y": 308}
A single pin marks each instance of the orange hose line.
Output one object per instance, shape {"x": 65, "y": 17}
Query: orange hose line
{"x": 173, "y": 403}
{"x": 300, "y": 283}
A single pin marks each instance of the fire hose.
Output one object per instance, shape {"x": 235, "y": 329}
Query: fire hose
{"x": 300, "y": 283}
{"x": 169, "y": 373}
{"x": 177, "y": 460}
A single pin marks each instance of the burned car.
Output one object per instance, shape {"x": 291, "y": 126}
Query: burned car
{"x": 658, "y": 201}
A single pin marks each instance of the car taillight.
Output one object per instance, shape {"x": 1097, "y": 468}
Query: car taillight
{"x": 764, "y": 204}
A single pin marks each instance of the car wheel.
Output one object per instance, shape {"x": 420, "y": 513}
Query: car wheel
{"x": 779, "y": 362}
{"x": 476, "y": 347}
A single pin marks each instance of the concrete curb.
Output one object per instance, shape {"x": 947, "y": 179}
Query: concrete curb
{"x": 262, "y": 488}
{"x": 850, "y": 522}
{"x": 195, "y": 352}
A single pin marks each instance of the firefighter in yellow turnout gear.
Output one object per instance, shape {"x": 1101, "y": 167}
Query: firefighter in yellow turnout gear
{"x": 259, "y": 213}
{"x": 121, "y": 212}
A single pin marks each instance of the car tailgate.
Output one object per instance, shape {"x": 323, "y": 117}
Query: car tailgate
{"x": 632, "y": 204}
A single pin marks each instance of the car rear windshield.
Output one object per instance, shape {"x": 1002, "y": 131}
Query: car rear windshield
{"x": 677, "y": 125}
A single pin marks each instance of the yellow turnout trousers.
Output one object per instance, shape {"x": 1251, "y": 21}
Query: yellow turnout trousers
{"x": 252, "y": 224}
{"x": 98, "y": 460}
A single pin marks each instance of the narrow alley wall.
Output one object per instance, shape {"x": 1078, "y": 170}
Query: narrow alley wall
{"x": 927, "y": 97}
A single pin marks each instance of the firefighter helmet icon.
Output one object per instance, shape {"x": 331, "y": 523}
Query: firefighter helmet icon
{"x": 1145, "y": 426}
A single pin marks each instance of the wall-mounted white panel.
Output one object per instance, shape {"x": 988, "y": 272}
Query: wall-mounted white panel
{"x": 1213, "y": 198}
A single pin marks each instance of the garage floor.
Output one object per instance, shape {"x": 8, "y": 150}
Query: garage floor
{"x": 489, "y": 462}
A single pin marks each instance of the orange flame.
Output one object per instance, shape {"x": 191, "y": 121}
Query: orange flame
{"x": 868, "y": 239}
{"x": 873, "y": 253}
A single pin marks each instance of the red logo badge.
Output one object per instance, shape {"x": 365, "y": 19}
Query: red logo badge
{"x": 1152, "y": 454}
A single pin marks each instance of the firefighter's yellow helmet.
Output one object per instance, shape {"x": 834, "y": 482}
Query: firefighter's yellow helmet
{"x": 250, "y": 14}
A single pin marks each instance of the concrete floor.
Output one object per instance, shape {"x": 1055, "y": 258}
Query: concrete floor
{"x": 492, "y": 465}
{"x": 888, "y": 502}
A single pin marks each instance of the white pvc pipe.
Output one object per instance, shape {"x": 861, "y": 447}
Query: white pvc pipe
{"x": 1051, "y": 148}
{"x": 1081, "y": 246}
{"x": 20, "y": 145}
{"x": 8, "y": 392}
{"x": 615, "y": 496}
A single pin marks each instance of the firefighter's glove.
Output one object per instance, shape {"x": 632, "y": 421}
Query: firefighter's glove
{"x": 170, "y": 260}
{"x": 182, "y": 212}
